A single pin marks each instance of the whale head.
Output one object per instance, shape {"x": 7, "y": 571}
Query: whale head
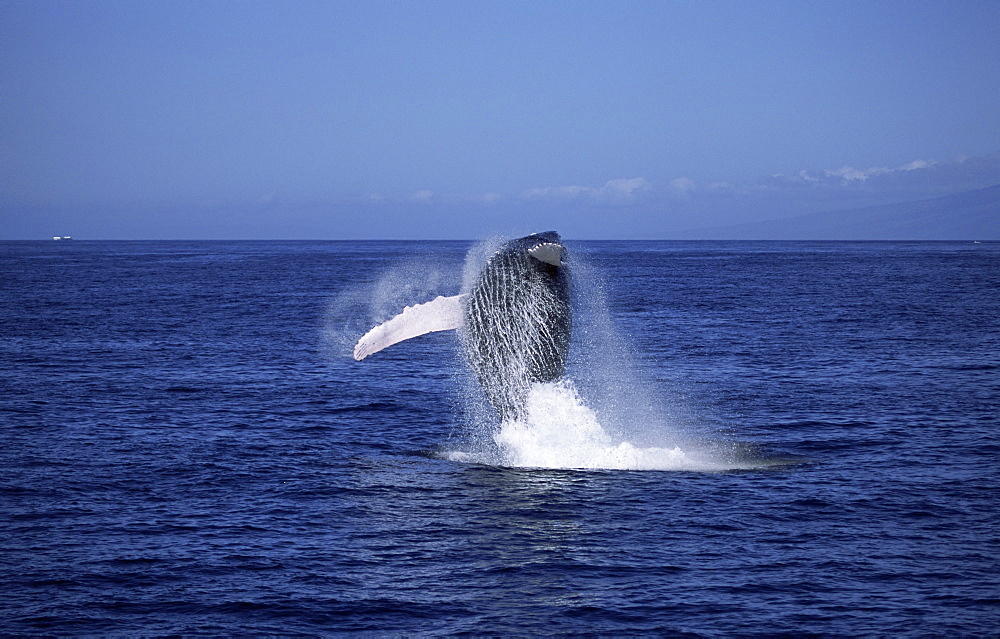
{"x": 544, "y": 247}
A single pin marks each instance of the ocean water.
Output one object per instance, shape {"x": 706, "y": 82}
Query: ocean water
{"x": 751, "y": 438}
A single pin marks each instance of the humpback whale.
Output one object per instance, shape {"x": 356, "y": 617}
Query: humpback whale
{"x": 514, "y": 324}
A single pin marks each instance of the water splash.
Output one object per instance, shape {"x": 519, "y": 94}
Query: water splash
{"x": 561, "y": 431}
{"x": 603, "y": 414}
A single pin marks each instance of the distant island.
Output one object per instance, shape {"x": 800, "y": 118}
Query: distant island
{"x": 970, "y": 215}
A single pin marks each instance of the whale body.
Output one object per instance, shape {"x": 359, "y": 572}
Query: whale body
{"x": 515, "y": 322}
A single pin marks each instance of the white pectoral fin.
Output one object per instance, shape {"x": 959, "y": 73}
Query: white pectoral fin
{"x": 440, "y": 314}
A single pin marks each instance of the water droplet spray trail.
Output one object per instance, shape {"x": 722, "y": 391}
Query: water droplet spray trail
{"x": 355, "y": 309}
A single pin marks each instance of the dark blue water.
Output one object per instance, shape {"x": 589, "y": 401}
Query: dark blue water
{"x": 187, "y": 447}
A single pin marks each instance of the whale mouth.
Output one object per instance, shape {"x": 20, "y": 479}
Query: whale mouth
{"x": 548, "y": 252}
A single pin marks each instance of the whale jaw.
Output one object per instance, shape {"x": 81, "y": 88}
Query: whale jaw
{"x": 548, "y": 252}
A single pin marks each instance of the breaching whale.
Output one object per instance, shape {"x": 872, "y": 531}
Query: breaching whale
{"x": 514, "y": 323}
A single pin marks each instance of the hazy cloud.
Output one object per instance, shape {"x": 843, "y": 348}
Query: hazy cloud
{"x": 683, "y": 185}
{"x": 917, "y": 164}
{"x": 626, "y": 187}
{"x": 806, "y": 189}
{"x": 851, "y": 174}
{"x": 872, "y": 177}
{"x": 556, "y": 192}
{"x": 622, "y": 189}
{"x": 800, "y": 191}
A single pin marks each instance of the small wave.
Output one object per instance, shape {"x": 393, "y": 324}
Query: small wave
{"x": 360, "y": 408}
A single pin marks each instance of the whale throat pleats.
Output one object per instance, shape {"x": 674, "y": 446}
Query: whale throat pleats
{"x": 517, "y": 328}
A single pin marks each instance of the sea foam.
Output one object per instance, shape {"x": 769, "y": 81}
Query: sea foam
{"x": 560, "y": 431}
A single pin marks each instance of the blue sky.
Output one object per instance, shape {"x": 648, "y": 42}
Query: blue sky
{"x": 429, "y": 119}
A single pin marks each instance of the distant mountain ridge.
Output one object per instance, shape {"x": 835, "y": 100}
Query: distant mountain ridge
{"x": 970, "y": 215}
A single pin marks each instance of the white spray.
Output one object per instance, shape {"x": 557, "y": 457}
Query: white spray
{"x": 601, "y": 414}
